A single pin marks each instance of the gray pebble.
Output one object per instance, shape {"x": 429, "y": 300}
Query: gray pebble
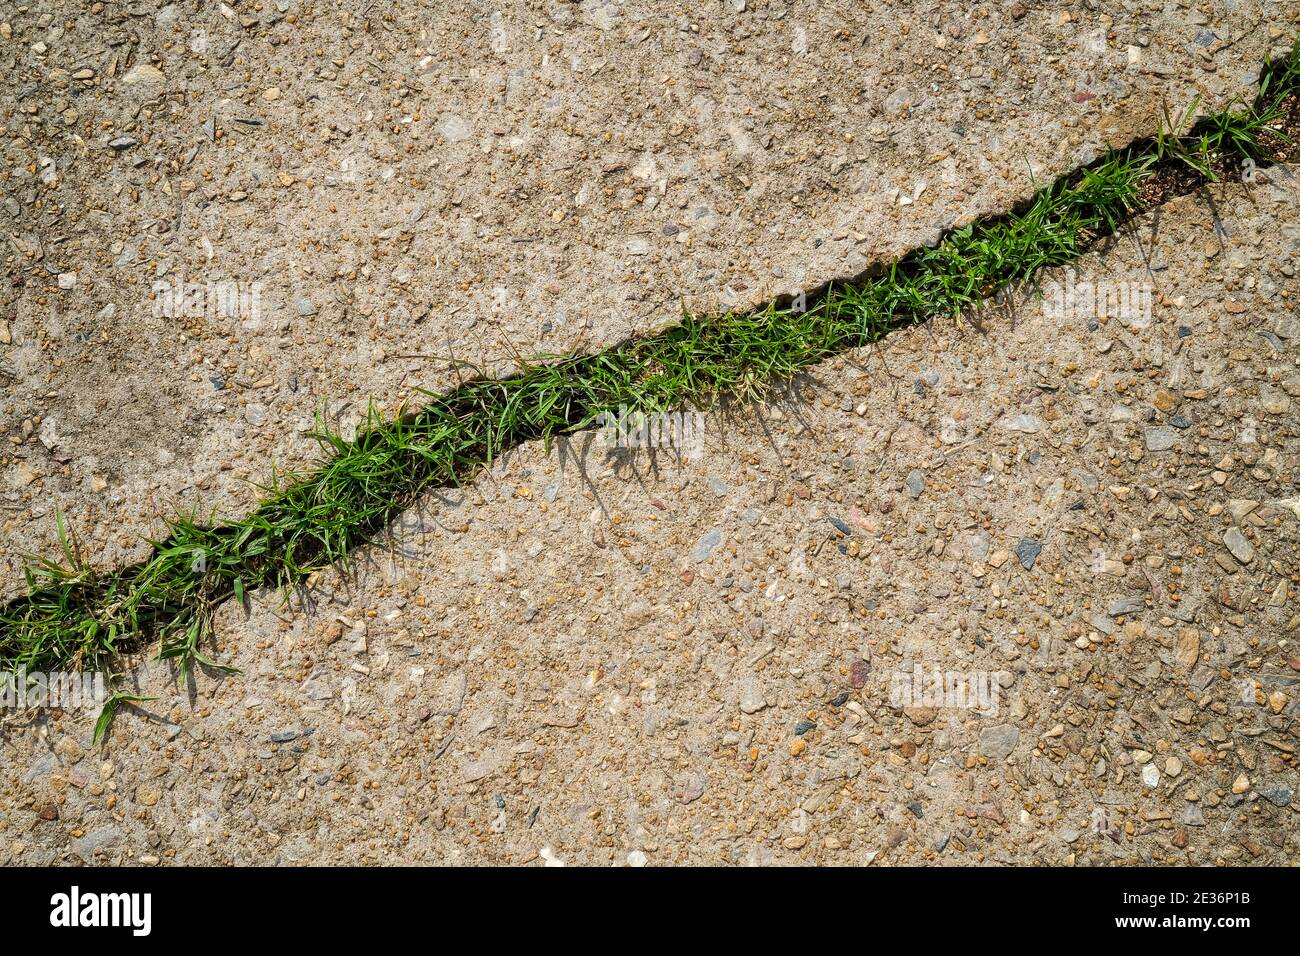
{"x": 1027, "y": 550}
{"x": 1127, "y": 605}
{"x": 996, "y": 743}
{"x": 915, "y": 483}
{"x": 1239, "y": 545}
{"x": 1161, "y": 438}
{"x": 707, "y": 544}
{"x": 1275, "y": 794}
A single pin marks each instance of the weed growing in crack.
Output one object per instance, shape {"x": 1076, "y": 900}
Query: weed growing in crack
{"x": 1248, "y": 132}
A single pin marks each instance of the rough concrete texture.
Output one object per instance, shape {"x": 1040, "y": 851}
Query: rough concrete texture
{"x": 584, "y": 659}
{"x": 402, "y": 183}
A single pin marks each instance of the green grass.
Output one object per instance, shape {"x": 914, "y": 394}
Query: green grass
{"x": 75, "y": 615}
{"x": 1231, "y": 134}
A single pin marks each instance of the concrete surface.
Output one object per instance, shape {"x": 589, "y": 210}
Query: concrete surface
{"x": 587, "y": 659}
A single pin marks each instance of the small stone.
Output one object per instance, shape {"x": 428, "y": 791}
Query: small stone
{"x": 921, "y": 716}
{"x": 709, "y": 541}
{"x": 751, "y": 695}
{"x": 915, "y": 483}
{"x": 1240, "y": 507}
{"x": 950, "y": 433}
{"x": 637, "y": 858}
{"x": 1151, "y": 776}
{"x": 1161, "y": 438}
{"x": 1028, "y": 424}
{"x": 1165, "y": 400}
{"x": 42, "y": 767}
{"x": 1127, "y": 605}
{"x": 143, "y": 74}
{"x": 1276, "y": 794}
{"x": 1274, "y": 402}
{"x": 1241, "y": 784}
{"x": 996, "y": 743}
{"x": 1238, "y": 545}
{"x": 1027, "y": 550}
{"x": 1188, "y": 648}
{"x": 803, "y": 727}
{"x": 1173, "y": 766}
